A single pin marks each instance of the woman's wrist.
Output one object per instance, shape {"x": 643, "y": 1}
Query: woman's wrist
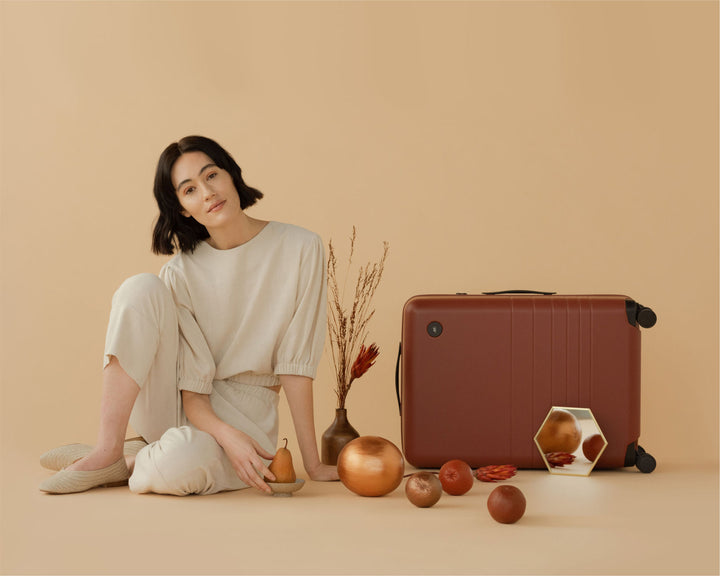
{"x": 200, "y": 414}
{"x": 223, "y": 433}
{"x": 312, "y": 467}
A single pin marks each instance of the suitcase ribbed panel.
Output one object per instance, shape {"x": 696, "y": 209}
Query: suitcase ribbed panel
{"x": 481, "y": 390}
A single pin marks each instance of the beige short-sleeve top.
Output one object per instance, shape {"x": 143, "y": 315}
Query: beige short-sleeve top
{"x": 252, "y": 312}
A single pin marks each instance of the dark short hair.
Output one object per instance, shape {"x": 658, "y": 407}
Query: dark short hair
{"x": 173, "y": 230}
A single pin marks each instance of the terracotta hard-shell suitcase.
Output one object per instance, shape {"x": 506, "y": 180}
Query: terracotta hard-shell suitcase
{"x": 478, "y": 374}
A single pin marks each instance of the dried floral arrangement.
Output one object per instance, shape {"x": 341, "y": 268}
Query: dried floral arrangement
{"x": 348, "y": 327}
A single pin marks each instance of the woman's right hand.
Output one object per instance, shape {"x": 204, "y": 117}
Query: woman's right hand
{"x": 244, "y": 452}
{"x": 246, "y": 455}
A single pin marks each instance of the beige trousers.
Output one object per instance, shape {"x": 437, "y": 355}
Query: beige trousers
{"x": 179, "y": 459}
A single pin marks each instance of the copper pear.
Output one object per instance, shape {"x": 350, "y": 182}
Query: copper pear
{"x": 282, "y": 465}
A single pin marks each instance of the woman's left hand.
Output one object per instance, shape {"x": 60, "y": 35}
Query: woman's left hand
{"x": 323, "y": 473}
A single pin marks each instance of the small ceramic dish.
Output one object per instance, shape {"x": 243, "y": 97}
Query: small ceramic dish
{"x": 286, "y": 488}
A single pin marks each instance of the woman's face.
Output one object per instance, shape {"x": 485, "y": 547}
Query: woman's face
{"x": 205, "y": 191}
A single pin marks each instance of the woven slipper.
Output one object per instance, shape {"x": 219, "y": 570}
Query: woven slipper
{"x": 62, "y": 456}
{"x": 72, "y": 481}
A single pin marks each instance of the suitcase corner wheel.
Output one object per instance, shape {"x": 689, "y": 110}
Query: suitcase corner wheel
{"x": 638, "y": 457}
{"x": 640, "y": 315}
{"x": 644, "y": 461}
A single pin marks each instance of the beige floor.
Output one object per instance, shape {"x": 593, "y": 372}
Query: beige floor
{"x": 611, "y": 522}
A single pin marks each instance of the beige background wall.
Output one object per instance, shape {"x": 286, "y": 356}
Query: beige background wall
{"x": 550, "y": 145}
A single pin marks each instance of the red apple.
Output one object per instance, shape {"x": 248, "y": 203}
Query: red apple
{"x": 592, "y": 445}
{"x": 506, "y": 504}
{"x": 456, "y": 477}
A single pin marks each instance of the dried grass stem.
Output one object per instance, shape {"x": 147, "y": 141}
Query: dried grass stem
{"x": 349, "y": 329}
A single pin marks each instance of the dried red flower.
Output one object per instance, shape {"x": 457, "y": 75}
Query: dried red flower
{"x": 559, "y": 459}
{"x": 495, "y": 472}
{"x": 364, "y": 361}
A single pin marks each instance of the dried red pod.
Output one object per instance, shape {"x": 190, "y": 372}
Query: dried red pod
{"x": 495, "y": 473}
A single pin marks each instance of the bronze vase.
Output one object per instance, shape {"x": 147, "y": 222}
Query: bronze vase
{"x": 336, "y": 436}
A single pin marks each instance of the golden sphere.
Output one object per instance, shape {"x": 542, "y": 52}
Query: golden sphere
{"x": 561, "y": 432}
{"x": 370, "y": 466}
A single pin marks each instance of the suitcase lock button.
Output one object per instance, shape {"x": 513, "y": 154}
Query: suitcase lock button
{"x": 434, "y": 329}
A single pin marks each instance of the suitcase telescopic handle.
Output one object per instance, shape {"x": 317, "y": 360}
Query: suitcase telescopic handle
{"x": 519, "y": 292}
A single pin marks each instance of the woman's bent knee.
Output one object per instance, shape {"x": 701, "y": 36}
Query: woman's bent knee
{"x": 184, "y": 461}
{"x": 142, "y": 318}
{"x": 141, "y": 287}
